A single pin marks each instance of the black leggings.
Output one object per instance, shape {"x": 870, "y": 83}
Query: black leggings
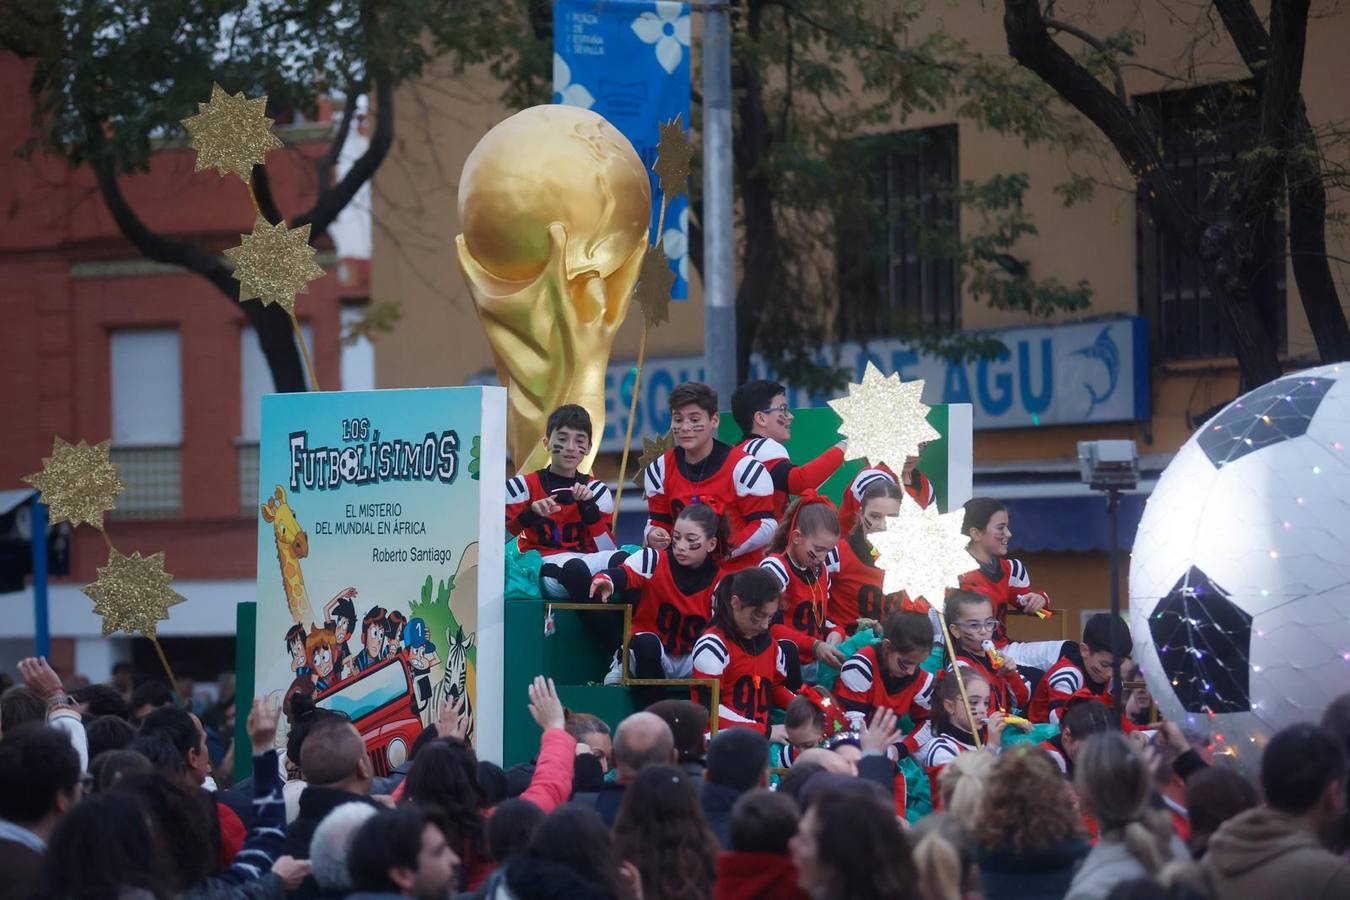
{"x": 646, "y": 656}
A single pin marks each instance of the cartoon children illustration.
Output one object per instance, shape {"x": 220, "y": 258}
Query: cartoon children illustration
{"x": 422, "y": 660}
{"x": 295, "y": 645}
{"x": 340, "y": 616}
{"x": 321, "y": 648}
{"x": 373, "y": 638}
{"x": 395, "y": 641}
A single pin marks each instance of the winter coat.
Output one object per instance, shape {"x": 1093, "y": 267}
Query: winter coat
{"x": 1109, "y": 864}
{"x": 742, "y": 876}
{"x": 717, "y": 800}
{"x": 1264, "y": 853}
{"x": 1035, "y": 874}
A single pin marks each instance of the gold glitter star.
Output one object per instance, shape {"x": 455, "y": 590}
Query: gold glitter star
{"x": 652, "y": 448}
{"x": 132, "y": 593}
{"x": 884, "y": 418}
{"x": 655, "y": 280}
{"x": 231, "y": 133}
{"x": 673, "y": 154}
{"x": 922, "y": 551}
{"x": 78, "y": 482}
{"x": 274, "y": 263}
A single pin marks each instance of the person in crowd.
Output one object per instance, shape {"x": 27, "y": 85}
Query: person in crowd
{"x": 813, "y": 715}
{"x": 106, "y": 733}
{"x": 402, "y": 853}
{"x": 887, "y": 675}
{"x": 1027, "y": 837}
{"x": 737, "y": 763}
{"x": 592, "y": 732}
{"x": 124, "y": 681}
{"x": 148, "y": 697}
{"x": 641, "y": 740}
{"x": 20, "y": 706}
{"x": 39, "y": 784}
{"x": 849, "y": 845}
{"x": 509, "y": 831}
{"x": 739, "y": 652}
{"x": 807, "y": 765}
{"x": 177, "y": 849}
{"x": 594, "y": 758}
{"x": 856, "y": 590}
{"x": 1274, "y": 850}
{"x": 955, "y": 724}
{"x": 1085, "y": 666}
{"x": 699, "y": 467}
{"x": 756, "y": 863}
{"x": 971, "y": 623}
{"x": 660, "y": 830}
{"x": 445, "y": 778}
{"x": 1214, "y": 795}
{"x": 944, "y": 857}
{"x": 564, "y": 514}
{"x": 110, "y": 767}
{"x": 689, "y": 726}
{"x": 961, "y": 788}
{"x": 1115, "y": 783}
{"x": 331, "y": 846}
{"x": 760, "y": 409}
{"x": 1004, "y": 580}
{"x": 569, "y": 856}
{"x": 914, "y": 482}
{"x": 801, "y": 556}
{"x": 101, "y": 852}
{"x": 1081, "y": 718}
{"x": 671, "y": 590}
{"x": 96, "y": 700}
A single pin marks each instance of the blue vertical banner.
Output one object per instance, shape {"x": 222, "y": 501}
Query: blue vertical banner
{"x": 629, "y": 61}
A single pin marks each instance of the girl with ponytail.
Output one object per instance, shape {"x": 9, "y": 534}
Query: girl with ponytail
{"x": 802, "y": 556}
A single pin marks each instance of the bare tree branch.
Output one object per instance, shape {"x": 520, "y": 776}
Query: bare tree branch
{"x": 327, "y": 164}
{"x": 330, "y": 203}
{"x": 1097, "y": 44}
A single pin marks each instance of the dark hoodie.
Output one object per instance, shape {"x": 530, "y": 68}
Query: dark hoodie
{"x": 1264, "y": 853}
{"x": 1035, "y": 874}
{"x": 741, "y": 876}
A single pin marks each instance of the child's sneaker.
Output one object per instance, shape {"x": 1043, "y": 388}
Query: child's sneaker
{"x": 615, "y": 674}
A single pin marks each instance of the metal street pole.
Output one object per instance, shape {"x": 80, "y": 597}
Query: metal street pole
{"x": 1113, "y": 510}
{"x": 42, "y": 641}
{"x": 719, "y": 279}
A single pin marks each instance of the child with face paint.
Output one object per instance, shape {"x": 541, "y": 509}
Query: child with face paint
{"x": 887, "y": 674}
{"x": 953, "y": 730}
{"x": 802, "y": 557}
{"x": 970, "y": 619}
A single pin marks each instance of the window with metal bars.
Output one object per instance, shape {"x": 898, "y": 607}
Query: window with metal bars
{"x": 1203, "y": 133}
{"x": 892, "y": 272}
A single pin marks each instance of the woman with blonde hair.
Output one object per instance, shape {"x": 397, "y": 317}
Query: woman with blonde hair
{"x": 1116, "y": 785}
{"x": 945, "y": 858}
{"x": 962, "y": 784}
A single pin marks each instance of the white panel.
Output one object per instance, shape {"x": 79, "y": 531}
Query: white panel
{"x": 490, "y": 701}
{"x": 147, "y": 388}
{"x": 256, "y": 380}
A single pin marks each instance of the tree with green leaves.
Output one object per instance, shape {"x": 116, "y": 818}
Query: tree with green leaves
{"x": 112, "y": 80}
{"x": 1277, "y": 160}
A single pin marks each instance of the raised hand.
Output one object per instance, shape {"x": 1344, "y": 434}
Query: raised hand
{"x": 451, "y": 721}
{"x": 880, "y": 733}
{"x": 40, "y": 677}
{"x": 262, "y": 725}
{"x": 545, "y": 707}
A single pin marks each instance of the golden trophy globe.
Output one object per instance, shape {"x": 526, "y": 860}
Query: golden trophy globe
{"x": 556, "y": 207}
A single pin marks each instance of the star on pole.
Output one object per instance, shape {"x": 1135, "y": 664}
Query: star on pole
{"x": 274, "y": 263}
{"x": 922, "y": 552}
{"x": 655, "y": 279}
{"x": 884, "y": 418}
{"x": 673, "y": 154}
{"x": 132, "y": 593}
{"x": 231, "y": 133}
{"x": 79, "y": 483}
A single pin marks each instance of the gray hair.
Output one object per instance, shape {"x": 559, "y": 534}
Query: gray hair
{"x": 332, "y": 840}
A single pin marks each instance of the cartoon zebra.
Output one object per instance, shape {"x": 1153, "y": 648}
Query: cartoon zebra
{"x": 458, "y": 680}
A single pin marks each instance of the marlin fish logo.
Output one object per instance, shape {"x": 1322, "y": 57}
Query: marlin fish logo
{"x": 1104, "y": 350}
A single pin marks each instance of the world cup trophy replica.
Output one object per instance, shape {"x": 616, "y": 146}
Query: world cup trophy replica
{"x": 556, "y": 207}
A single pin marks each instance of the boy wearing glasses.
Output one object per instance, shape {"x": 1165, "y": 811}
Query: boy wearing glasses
{"x": 761, "y": 410}
{"x": 970, "y": 619}
{"x": 700, "y": 467}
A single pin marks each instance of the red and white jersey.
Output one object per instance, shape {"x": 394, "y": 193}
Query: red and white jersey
{"x": 789, "y": 478}
{"x": 728, "y": 476}
{"x": 674, "y": 601}
{"x": 1054, "y": 748}
{"x": 1008, "y": 690}
{"x": 864, "y": 685}
{"x": 751, "y": 674}
{"x": 1004, "y": 581}
{"x": 920, "y": 489}
{"x": 934, "y": 756}
{"x": 856, "y": 589}
{"x": 1061, "y": 683}
{"x": 803, "y": 615}
{"x": 575, "y": 528}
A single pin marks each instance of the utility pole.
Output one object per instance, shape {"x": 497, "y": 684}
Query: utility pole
{"x": 719, "y": 268}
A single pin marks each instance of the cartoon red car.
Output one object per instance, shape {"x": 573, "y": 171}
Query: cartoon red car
{"x": 379, "y": 702}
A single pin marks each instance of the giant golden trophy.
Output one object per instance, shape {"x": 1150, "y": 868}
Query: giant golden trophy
{"x": 556, "y": 207}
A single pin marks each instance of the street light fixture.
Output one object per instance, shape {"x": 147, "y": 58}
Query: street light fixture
{"x": 1111, "y": 467}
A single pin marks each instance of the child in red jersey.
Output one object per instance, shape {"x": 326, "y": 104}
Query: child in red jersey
{"x": 1085, "y": 668}
{"x": 1081, "y": 719}
{"x": 701, "y": 468}
{"x": 887, "y": 674}
{"x": 1003, "y": 580}
{"x": 970, "y": 619}
{"x": 856, "y": 589}
{"x": 953, "y": 731}
{"x": 915, "y": 483}
{"x": 672, "y": 593}
{"x": 563, "y": 513}
{"x": 738, "y": 651}
{"x": 801, "y": 557}
{"x": 761, "y": 411}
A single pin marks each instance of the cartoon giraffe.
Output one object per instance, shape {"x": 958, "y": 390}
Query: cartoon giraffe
{"x": 292, "y": 546}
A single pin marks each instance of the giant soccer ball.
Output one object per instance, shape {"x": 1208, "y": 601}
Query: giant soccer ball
{"x": 1240, "y": 575}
